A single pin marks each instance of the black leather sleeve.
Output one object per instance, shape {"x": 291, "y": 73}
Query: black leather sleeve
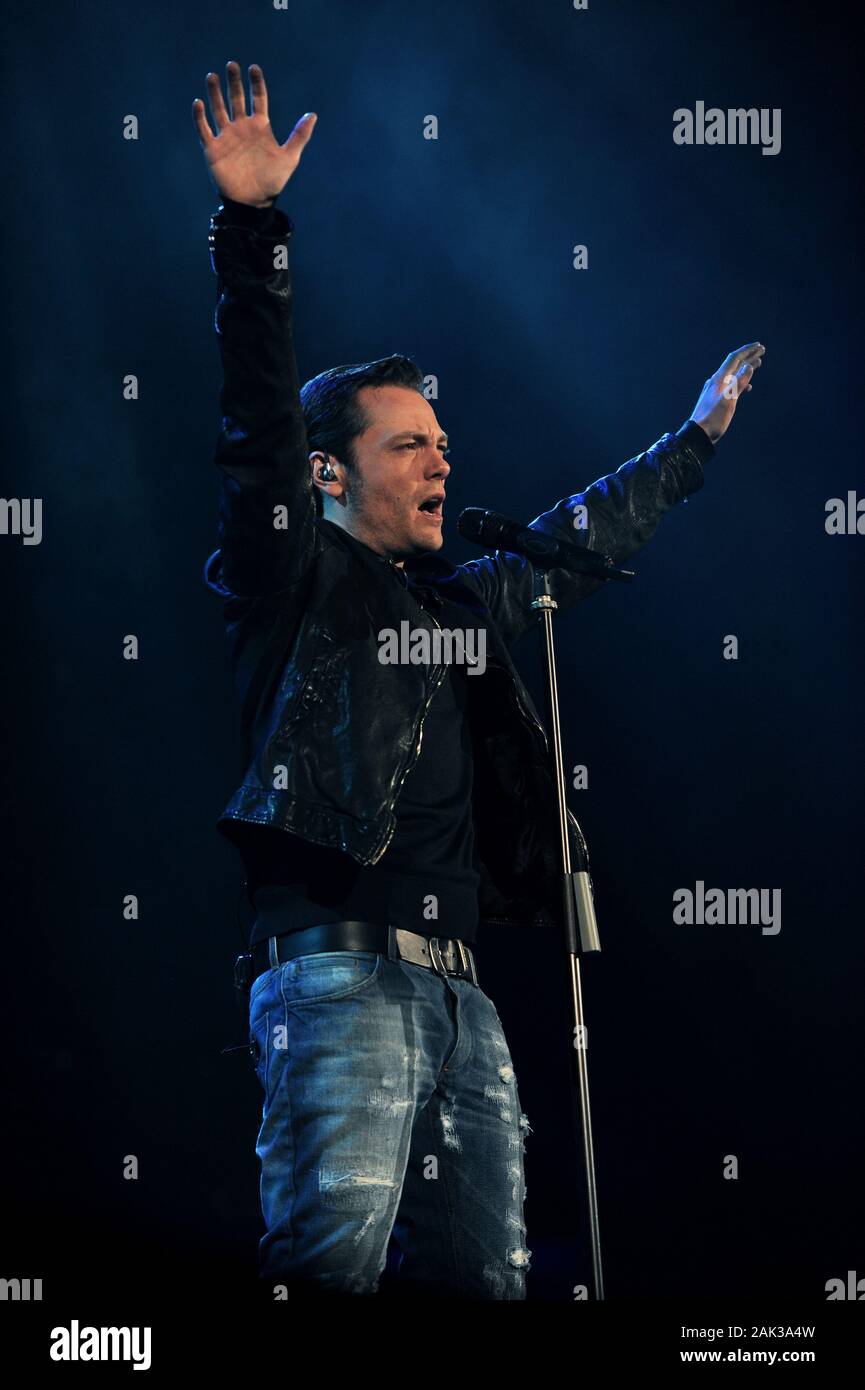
{"x": 621, "y": 513}
{"x": 266, "y": 533}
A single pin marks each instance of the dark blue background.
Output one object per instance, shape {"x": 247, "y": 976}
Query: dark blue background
{"x": 555, "y": 127}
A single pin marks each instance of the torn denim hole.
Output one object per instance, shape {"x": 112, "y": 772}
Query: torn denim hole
{"x": 384, "y": 1098}
{"x": 451, "y": 1138}
{"x": 503, "y": 1098}
{"x": 365, "y": 1227}
{"x": 518, "y": 1140}
{"x": 516, "y": 1173}
{"x": 497, "y": 1093}
{"x": 347, "y": 1190}
{"x": 520, "y": 1258}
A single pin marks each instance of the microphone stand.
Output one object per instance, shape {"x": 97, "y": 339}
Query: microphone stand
{"x": 581, "y": 928}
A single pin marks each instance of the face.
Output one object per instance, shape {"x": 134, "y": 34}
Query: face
{"x": 393, "y": 497}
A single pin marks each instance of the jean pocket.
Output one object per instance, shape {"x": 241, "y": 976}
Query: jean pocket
{"x": 258, "y": 1044}
{"x": 328, "y": 975}
{"x": 260, "y": 982}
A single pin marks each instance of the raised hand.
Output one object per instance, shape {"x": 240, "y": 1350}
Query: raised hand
{"x": 717, "y": 403}
{"x": 244, "y": 159}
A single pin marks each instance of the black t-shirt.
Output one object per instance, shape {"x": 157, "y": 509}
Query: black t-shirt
{"x": 430, "y": 862}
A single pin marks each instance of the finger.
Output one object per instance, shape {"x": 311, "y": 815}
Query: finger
{"x": 205, "y": 134}
{"x": 735, "y": 359}
{"x": 301, "y": 133}
{"x": 259, "y": 91}
{"x": 753, "y": 352}
{"x": 218, "y": 113}
{"x": 743, "y": 377}
{"x": 236, "y": 94}
{"x": 737, "y": 382}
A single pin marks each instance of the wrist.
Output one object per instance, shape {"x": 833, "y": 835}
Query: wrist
{"x": 242, "y": 203}
{"x": 263, "y": 220}
{"x": 712, "y": 435}
{"x": 697, "y": 440}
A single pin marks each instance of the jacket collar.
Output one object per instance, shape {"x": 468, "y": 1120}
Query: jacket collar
{"x": 430, "y": 571}
{"x": 430, "y": 565}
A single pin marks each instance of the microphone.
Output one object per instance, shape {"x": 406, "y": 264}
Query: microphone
{"x": 493, "y": 529}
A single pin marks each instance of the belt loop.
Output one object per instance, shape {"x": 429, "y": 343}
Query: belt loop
{"x": 392, "y": 947}
{"x": 272, "y": 954}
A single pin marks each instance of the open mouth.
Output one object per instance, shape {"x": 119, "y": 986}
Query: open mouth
{"x": 432, "y": 507}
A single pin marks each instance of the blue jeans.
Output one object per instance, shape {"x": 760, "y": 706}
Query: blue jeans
{"x": 390, "y": 1108}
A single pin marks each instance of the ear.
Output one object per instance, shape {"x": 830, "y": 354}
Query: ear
{"x": 322, "y": 466}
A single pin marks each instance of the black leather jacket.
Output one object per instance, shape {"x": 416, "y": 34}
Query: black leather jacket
{"x": 329, "y": 732}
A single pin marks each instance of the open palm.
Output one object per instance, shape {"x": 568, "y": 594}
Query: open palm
{"x": 245, "y": 160}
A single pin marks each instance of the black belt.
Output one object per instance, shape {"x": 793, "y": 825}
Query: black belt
{"x": 444, "y": 955}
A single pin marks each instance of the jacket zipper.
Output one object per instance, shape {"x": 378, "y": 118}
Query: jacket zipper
{"x": 572, "y": 820}
{"x": 536, "y": 723}
{"x": 515, "y": 693}
{"x": 413, "y": 757}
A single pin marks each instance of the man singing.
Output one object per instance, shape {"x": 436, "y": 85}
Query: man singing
{"x": 397, "y": 792}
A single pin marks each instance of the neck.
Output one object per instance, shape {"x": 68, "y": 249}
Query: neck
{"x": 369, "y": 541}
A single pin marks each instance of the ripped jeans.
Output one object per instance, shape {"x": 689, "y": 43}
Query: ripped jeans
{"x": 390, "y": 1110}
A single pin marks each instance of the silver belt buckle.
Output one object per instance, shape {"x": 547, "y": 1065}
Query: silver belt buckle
{"x": 436, "y": 957}
{"x": 468, "y": 962}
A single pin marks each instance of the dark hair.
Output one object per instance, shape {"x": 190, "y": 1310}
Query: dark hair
{"x": 333, "y": 415}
